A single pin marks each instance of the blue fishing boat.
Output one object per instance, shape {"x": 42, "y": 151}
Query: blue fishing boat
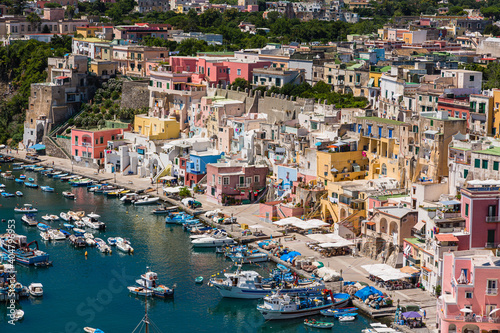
{"x": 348, "y": 314}
{"x": 22, "y": 177}
{"x": 17, "y": 168}
{"x": 29, "y": 167}
{"x": 7, "y": 195}
{"x": 68, "y": 226}
{"x": 338, "y": 311}
{"x": 18, "y": 246}
{"x": 47, "y": 188}
{"x": 19, "y": 193}
{"x": 19, "y": 180}
{"x": 31, "y": 180}
{"x": 65, "y": 233}
{"x": 42, "y": 226}
{"x": 59, "y": 175}
{"x": 178, "y": 218}
{"x": 31, "y": 185}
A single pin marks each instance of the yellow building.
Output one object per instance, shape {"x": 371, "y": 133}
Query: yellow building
{"x": 87, "y": 32}
{"x": 156, "y": 128}
{"x": 383, "y": 158}
{"x": 496, "y": 112}
{"x": 374, "y": 79}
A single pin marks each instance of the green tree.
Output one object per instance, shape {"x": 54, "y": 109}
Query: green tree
{"x": 34, "y": 20}
{"x": 241, "y": 83}
{"x": 184, "y": 192}
{"x": 46, "y": 29}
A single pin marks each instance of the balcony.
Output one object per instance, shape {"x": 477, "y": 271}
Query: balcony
{"x": 490, "y": 245}
{"x": 243, "y": 185}
{"x": 491, "y": 291}
{"x": 447, "y": 214}
{"x": 492, "y": 219}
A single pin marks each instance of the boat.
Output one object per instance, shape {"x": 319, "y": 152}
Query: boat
{"x": 248, "y": 257}
{"x": 2, "y": 185}
{"x": 283, "y": 306}
{"x": 149, "y": 280}
{"x": 318, "y": 324}
{"x": 27, "y": 208}
{"x": 46, "y": 217}
{"x": 82, "y": 182}
{"x": 162, "y": 210}
{"x": 23, "y": 177}
{"x": 114, "y": 193}
{"x": 111, "y": 241}
{"x": 379, "y": 328}
{"x": 69, "y": 195}
{"x": 20, "y": 248}
{"x": 19, "y": 180}
{"x": 220, "y": 238}
{"x": 199, "y": 280}
{"x": 65, "y": 217}
{"x": 140, "y": 291}
{"x": 77, "y": 216}
{"x": 146, "y": 200}
{"x": 19, "y": 193}
{"x": 178, "y": 217}
{"x": 77, "y": 241}
{"x": 92, "y": 330}
{"x": 17, "y": 315}
{"x": 129, "y": 197}
{"x": 38, "y": 169}
{"x": 347, "y": 318}
{"x": 89, "y": 239}
{"x": 60, "y": 175}
{"x": 68, "y": 226}
{"x": 30, "y": 219}
{"x": 46, "y": 236}
{"x": 42, "y": 226}
{"x": 57, "y": 234}
{"x": 251, "y": 285}
{"x": 8, "y": 195}
{"x": 47, "y": 188}
{"x": 337, "y": 311}
{"x": 92, "y": 221}
{"x": 31, "y": 179}
{"x": 52, "y": 174}
{"x": 36, "y": 289}
{"x": 102, "y": 246}
{"x": 124, "y": 245}
{"x": 31, "y": 185}
{"x": 79, "y": 231}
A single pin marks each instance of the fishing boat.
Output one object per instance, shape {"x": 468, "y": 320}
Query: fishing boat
{"x": 178, "y": 218}
{"x": 31, "y": 179}
{"x": 36, "y": 289}
{"x": 27, "y": 208}
{"x": 60, "y": 175}
{"x": 140, "y": 291}
{"x": 124, "y": 245}
{"x": 19, "y": 193}
{"x": 82, "y": 182}
{"x": 57, "y": 234}
{"x": 318, "y": 324}
{"x": 77, "y": 241}
{"x": 8, "y": 195}
{"x": 42, "y": 226}
{"x": 54, "y": 173}
{"x": 149, "y": 280}
{"x": 219, "y": 238}
{"x": 29, "y": 219}
{"x": 18, "y": 315}
{"x": 347, "y": 318}
{"x": 102, "y": 246}
{"x": 114, "y": 193}
{"x": 92, "y": 221}
{"x": 248, "y": 257}
{"x": 111, "y": 241}
{"x": 146, "y": 200}
{"x": 162, "y": 210}
{"x": 199, "y": 280}
{"x": 19, "y": 180}
{"x": 251, "y": 285}
{"x": 68, "y": 226}
{"x": 38, "y": 169}
{"x": 69, "y": 195}
{"x": 30, "y": 185}
{"x": 283, "y": 306}
{"x": 23, "y": 177}
{"x": 337, "y": 311}
{"x": 92, "y": 330}
{"x": 22, "y": 251}
{"x": 47, "y": 188}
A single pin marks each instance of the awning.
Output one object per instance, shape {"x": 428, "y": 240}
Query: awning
{"x": 426, "y": 269}
{"x": 167, "y": 178}
{"x": 385, "y": 272}
{"x": 446, "y": 238}
{"x": 334, "y": 170}
{"x": 62, "y": 77}
{"x": 450, "y": 202}
{"x": 420, "y": 224}
{"x": 317, "y": 144}
{"x": 409, "y": 270}
{"x": 431, "y": 132}
{"x": 370, "y": 223}
{"x": 370, "y": 82}
{"x": 37, "y": 147}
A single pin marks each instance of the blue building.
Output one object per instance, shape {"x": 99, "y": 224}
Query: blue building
{"x": 196, "y": 167}
{"x": 287, "y": 175}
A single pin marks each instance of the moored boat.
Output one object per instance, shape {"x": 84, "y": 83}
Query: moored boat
{"x": 220, "y": 238}
{"x": 18, "y": 315}
{"x": 337, "y": 311}
{"x": 69, "y": 195}
{"x": 8, "y": 195}
{"x": 146, "y": 200}
{"x": 124, "y": 245}
{"x": 27, "y": 208}
{"x": 36, "y": 289}
{"x": 31, "y": 185}
{"x": 149, "y": 280}
{"x": 47, "y": 188}
{"x": 318, "y": 324}
{"x": 30, "y": 219}
{"x": 19, "y": 193}
{"x": 140, "y": 291}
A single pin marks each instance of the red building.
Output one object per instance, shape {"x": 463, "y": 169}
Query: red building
{"x": 90, "y": 145}
{"x": 457, "y": 107}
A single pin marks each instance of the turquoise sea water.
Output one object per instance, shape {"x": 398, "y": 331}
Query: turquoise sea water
{"x": 92, "y": 291}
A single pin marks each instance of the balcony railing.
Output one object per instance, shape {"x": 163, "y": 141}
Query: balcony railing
{"x": 492, "y": 291}
{"x": 243, "y": 185}
{"x": 492, "y": 218}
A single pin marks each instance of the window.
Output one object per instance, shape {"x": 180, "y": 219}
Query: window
{"x": 430, "y": 98}
{"x": 249, "y": 180}
{"x": 432, "y": 122}
{"x": 225, "y": 181}
{"x": 468, "y": 294}
{"x": 256, "y": 178}
{"x": 495, "y": 165}
{"x": 467, "y": 209}
{"x": 485, "y": 164}
{"x": 238, "y": 71}
{"x": 420, "y": 98}
{"x": 384, "y": 169}
{"x": 102, "y": 139}
{"x": 220, "y": 179}
{"x": 76, "y": 140}
{"x": 477, "y": 163}
{"x": 208, "y": 71}
{"x": 466, "y": 172}
{"x": 471, "y": 78}
{"x": 76, "y": 152}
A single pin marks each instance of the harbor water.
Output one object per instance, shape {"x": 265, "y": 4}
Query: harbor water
{"x": 82, "y": 291}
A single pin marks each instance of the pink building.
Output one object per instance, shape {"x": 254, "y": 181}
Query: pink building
{"x": 469, "y": 293}
{"x": 480, "y": 204}
{"x": 90, "y": 144}
{"x": 230, "y": 183}
{"x": 216, "y": 70}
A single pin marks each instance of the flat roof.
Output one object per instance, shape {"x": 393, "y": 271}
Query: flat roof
{"x": 395, "y": 211}
{"x": 382, "y": 120}
{"x": 492, "y": 151}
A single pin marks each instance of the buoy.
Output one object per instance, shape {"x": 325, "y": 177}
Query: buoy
{"x": 126, "y": 212}
{"x": 143, "y": 218}
{"x": 110, "y": 251}
{"x": 132, "y": 251}
{"x": 137, "y": 216}
{"x": 86, "y": 253}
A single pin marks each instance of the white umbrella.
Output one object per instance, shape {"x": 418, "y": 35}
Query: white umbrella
{"x": 494, "y": 310}
{"x": 256, "y": 226}
{"x": 465, "y": 310}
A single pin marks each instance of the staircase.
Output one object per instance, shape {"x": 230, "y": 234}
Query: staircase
{"x": 54, "y": 149}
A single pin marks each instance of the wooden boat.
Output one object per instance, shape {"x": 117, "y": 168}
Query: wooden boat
{"x": 140, "y": 291}
{"x": 346, "y": 318}
{"x": 318, "y": 324}
{"x": 8, "y": 195}
{"x": 31, "y": 185}
{"x": 333, "y": 312}
{"x": 19, "y": 193}
{"x": 92, "y": 330}
{"x": 69, "y": 195}
{"x": 162, "y": 210}
{"x": 199, "y": 280}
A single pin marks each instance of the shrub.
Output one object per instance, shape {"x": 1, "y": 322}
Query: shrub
{"x": 184, "y": 192}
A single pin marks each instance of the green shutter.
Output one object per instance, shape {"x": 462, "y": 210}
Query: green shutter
{"x": 466, "y": 209}
{"x": 466, "y": 172}
{"x": 485, "y": 164}
{"x": 477, "y": 163}
{"x": 495, "y": 165}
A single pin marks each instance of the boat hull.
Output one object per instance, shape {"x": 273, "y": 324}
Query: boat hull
{"x": 281, "y": 315}
{"x": 213, "y": 243}
{"x": 237, "y": 292}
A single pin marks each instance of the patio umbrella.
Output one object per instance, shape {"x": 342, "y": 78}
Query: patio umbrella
{"x": 465, "y": 310}
{"x": 494, "y": 310}
{"x": 411, "y": 314}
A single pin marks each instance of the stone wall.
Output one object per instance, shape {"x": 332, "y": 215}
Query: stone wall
{"x": 64, "y": 144}
{"x": 52, "y": 150}
{"x": 135, "y": 94}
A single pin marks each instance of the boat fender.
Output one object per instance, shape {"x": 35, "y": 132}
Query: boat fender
{"x": 132, "y": 251}
{"x": 86, "y": 253}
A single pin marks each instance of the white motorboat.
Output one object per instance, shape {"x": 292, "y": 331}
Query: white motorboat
{"x": 146, "y": 200}
{"x": 102, "y": 246}
{"x": 346, "y": 318}
{"x": 50, "y": 217}
{"x": 92, "y": 221}
{"x": 30, "y": 220}
{"x": 250, "y": 285}
{"x": 246, "y": 257}
{"x": 89, "y": 239}
{"x": 129, "y": 197}
{"x": 76, "y": 216}
{"x": 56, "y": 234}
{"x": 46, "y": 236}
{"x": 379, "y": 328}
{"x": 17, "y": 315}
{"x": 36, "y": 289}
{"x": 217, "y": 239}
{"x": 69, "y": 195}
{"x": 27, "y": 208}
{"x": 124, "y": 245}
{"x": 79, "y": 224}
{"x": 111, "y": 241}
{"x": 65, "y": 216}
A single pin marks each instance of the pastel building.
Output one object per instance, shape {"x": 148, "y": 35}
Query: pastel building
{"x": 232, "y": 182}
{"x": 470, "y": 297}
{"x": 90, "y": 145}
{"x": 480, "y": 204}
{"x": 156, "y": 128}
{"x": 196, "y": 166}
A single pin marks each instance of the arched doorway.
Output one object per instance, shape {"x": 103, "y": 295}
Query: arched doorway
{"x": 470, "y": 328}
{"x": 343, "y": 214}
{"x": 383, "y": 225}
